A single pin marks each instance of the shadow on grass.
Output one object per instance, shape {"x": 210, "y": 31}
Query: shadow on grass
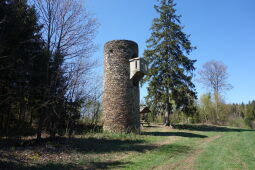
{"x": 181, "y": 134}
{"x": 11, "y": 151}
{"x": 11, "y": 165}
{"x": 8, "y": 162}
{"x": 80, "y": 145}
{"x": 171, "y": 150}
{"x": 209, "y": 128}
{"x": 105, "y": 165}
{"x": 150, "y": 126}
{"x": 27, "y": 131}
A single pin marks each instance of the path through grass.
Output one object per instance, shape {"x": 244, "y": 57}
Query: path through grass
{"x": 185, "y": 147}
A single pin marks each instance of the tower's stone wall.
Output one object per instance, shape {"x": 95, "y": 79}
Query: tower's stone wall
{"x": 121, "y": 94}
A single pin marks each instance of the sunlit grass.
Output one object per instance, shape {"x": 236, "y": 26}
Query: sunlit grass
{"x": 234, "y": 150}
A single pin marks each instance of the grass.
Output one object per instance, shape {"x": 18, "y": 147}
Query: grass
{"x": 185, "y": 147}
{"x": 232, "y": 151}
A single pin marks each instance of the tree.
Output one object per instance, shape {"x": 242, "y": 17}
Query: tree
{"x": 43, "y": 75}
{"x": 250, "y": 114}
{"x": 21, "y": 55}
{"x": 68, "y": 27}
{"x": 68, "y": 32}
{"x": 170, "y": 70}
{"x": 213, "y": 75}
{"x": 206, "y": 108}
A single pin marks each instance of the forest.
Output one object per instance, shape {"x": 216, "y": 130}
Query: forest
{"x": 45, "y": 65}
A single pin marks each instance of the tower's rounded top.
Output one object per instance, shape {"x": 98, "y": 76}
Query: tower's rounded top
{"x": 121, "y": 42}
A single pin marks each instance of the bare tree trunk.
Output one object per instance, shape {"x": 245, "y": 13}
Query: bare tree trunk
{"x": 167, "y": 114}
{"x": 206, "y": 119}
{"x": 217, "y": 101}
{"x": 166, "y": 119}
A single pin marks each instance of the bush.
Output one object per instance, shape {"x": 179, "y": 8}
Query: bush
{"x": 237, "y": 122}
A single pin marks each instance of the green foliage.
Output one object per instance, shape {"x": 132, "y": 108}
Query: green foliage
{"x": 36, "y": 87}
{"x": 170, "y": 70}
{"x": 217, "y": 112}
{"x": 213, "y": 111}
{"x": 21, "y": 57}
{"x": 237, "y": 122}
{"x": 92, "y": 112}
{"x": 182, "y": 118}
{"x": 206, "y": 108}
{"x": 249, "y": 115}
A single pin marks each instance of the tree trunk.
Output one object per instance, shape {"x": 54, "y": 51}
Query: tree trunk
{"x": 217, "y": 101}
{"x": 166, "y": 119}
{"x": 40, "y": 124}
{"x": 31, "y": 119}
{"x": 167, "y": 114}
{"x": 39, "y": 132}
{"x": 52, "y": 130}
{"x": 7, "y": 124}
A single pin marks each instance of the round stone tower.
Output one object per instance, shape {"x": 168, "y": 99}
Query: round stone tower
{"x": 121, "y": 94}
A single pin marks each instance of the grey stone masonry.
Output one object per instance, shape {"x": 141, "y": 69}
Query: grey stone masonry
{"x": 121, "y": 94}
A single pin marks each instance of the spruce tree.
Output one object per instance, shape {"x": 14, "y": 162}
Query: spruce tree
{"x": 170, "y": 70}
{"x": 21, "y": 56}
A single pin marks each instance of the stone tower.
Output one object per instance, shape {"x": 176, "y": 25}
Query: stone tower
{"x": 121, "y": 87}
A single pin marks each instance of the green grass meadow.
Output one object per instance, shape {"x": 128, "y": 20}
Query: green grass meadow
{"x": 198, "y": 147}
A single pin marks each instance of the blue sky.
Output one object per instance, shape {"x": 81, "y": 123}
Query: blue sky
{"x": 222, "y": 30}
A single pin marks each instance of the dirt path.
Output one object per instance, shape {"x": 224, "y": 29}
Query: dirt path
{"x": 188, "y": 163}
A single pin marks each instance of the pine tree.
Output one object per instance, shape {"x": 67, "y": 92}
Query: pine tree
{"x": 170, "y": 70}
{"x": 20, "y": 57}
